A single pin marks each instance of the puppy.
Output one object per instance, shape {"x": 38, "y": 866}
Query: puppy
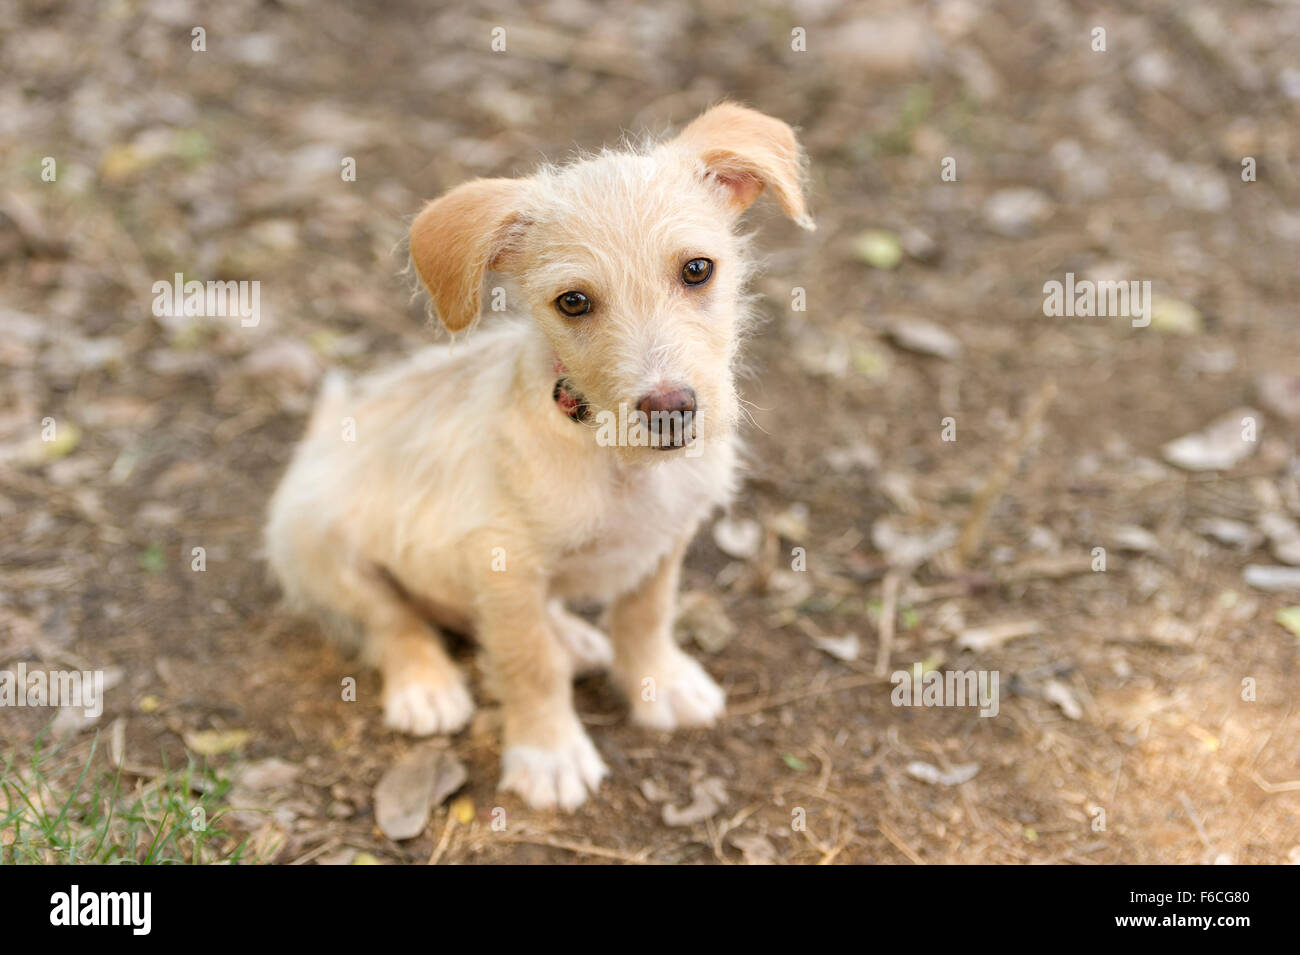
{"x": 568, "y": 453}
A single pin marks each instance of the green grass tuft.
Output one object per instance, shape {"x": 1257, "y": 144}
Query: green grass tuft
{"x": 71, "y": 807}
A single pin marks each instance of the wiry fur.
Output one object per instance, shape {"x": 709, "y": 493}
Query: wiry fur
{"x": 467, "y": 499}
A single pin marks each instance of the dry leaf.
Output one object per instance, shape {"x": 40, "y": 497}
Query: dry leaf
{"x": 1054, "y": 691}
{"x": 738, "y": 537}
{"x": 215, "y": 742}
{"x": 462, "y": 810}
{"x": 757, "y": 849}
{"x": 994, "y": 635}
{"x": 1219, "y": 446}
{"x": 927, "y": 773}
{"x": 924, "y": 338}
{"x": 409, "y": 790}
{"x": 708, "y": 796}
{"x": 846, "y": 647}
{"x": 1267, "y": 577}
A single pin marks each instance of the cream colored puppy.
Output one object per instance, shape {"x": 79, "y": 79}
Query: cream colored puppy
{"x": 568, "y": 453}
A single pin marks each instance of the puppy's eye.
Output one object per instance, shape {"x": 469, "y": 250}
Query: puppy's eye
{"x": 573, "y": 304}
{"x": 697, "y": 271}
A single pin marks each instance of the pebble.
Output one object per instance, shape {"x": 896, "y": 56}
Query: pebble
{"x": 1016, "y": 213}
{"x": 1272, "y": 578}
{"x": 925, "y": 338}
{"x": 1218, "y": 447}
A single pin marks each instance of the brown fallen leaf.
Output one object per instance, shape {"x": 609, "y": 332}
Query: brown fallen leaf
{"x": 412, "y": 786}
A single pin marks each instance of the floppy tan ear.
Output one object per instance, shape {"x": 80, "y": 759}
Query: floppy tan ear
{"x": 745, "y": 151}
{"x": 457, "y": 237}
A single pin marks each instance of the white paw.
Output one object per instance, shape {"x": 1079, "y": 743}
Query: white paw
{"x": 589, "y": 647}
{"x": 547, "y": 778}
{"x": 675, "y": 694}
{"x": 425, "y": 709}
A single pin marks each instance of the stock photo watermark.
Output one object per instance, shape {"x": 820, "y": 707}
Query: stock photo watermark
{"x": 1085, "y": 298}
{"x": 212, "y": 299}
{"x": 955, "y": 688}
{"x": 82, "y": 689}
{"x": 77, "y": 908}
{"x": 627, "y": 428}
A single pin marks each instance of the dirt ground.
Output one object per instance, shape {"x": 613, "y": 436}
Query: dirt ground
{"x": 1146, "y": 710}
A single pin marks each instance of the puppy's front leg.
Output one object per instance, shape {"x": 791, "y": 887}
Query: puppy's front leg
{"x": 664, "y": 687}
{"x": 547, "y": 757}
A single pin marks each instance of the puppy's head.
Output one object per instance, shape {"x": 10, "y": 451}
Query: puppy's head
{"x": 629, "y": 263}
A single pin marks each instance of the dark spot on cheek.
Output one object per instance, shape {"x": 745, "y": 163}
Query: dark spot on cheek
{"x": 570, "y": 400}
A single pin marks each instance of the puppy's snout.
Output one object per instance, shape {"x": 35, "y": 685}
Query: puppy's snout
{"x": 670, "y": 416}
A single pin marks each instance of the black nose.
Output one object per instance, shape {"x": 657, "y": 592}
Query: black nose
{"x": 670, "y": 416}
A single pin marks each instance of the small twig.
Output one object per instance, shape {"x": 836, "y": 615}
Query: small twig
{"x": 756, "y": 706}
{"x": 735, "y": 821}
{"x": 991, "y": 493}
{"x": 829, "y": 857}
{"x": 1045, "y": 568}
{"x": 888, "y": 611}
{"x": 838, "y": 845}
{"x": 827, "y": 769}
{"x": 581, "y": 848}
{"x": 320, "y": 850}
{"x": 1290, "y": 786}
{"x": 443, "y": 840}
{"x": 1196, "y": 820}
{"x": 888, "y": 832}
{"x": 231, "y": 428}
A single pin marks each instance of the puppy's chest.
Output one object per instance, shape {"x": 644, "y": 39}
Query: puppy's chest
{"x": 636, "y": 519}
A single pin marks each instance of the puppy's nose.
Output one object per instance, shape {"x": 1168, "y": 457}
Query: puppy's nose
{"x": 678, "y": 399}
{"x": 669, "y": 415}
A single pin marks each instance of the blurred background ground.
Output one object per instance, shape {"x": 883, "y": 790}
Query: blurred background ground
{"x": 1122, "y": 735}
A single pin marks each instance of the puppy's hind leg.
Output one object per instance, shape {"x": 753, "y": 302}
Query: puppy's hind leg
{"x": 588, "y": 647}
{"x": 424, "y": 691}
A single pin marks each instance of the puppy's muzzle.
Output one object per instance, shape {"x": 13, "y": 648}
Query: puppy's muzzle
{"x": 669, "y": 416}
